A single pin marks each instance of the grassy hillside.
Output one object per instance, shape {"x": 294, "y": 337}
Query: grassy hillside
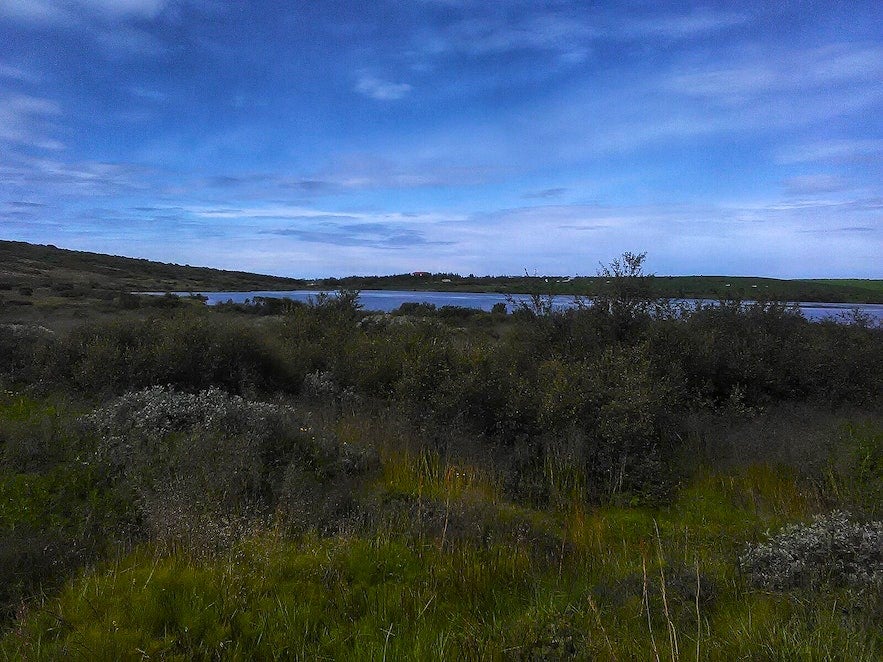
{"x": 33, "y": 265}
{"x": 57, "y": 279}
{"x": 58, "y": 287}
{"x": 873, "y": 286}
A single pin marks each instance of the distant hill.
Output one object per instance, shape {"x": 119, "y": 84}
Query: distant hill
{"x": 31, "y": 265}
{"x": 72, "y": 274}
{"x": 676, "y": 287}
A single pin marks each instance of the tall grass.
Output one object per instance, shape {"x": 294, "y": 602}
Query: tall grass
{"x": 627, "y": 585}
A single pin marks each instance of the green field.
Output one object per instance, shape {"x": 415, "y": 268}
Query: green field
{"x": 874, "y": 286}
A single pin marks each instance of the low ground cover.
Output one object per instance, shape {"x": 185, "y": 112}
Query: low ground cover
{"x": 306, "y": 482}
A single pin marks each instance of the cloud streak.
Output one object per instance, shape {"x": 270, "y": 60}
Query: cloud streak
{"x": 26, "y": 120}
{"x": 814, "y": 184}
{"x": 381, "y": 90}
{"x": 55, "y": 11}
{"x": 682, "y": 26}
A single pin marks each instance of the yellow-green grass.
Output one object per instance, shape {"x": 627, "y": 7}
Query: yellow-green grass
{"x": 612, "y": 582}
{"x": 397, "y": 596}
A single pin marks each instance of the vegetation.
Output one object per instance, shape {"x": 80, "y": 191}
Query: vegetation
{"x": 626, "y": 479}
{"x": 59, "y": 288}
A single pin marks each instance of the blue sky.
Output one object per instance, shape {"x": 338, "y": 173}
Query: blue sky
{"x": 335, "y": 138}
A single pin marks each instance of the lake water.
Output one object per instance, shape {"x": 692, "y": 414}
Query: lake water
{"x": 388, "y": 300}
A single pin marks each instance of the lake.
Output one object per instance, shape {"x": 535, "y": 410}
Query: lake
{"x": 388, "y": 300}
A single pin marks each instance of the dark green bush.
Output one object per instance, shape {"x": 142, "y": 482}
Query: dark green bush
{"x": 19, "y": 345}
{"x": 418, "y": 309}
{"x": 187, "y": 350}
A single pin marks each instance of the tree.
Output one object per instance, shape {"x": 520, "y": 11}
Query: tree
{"x": 625, "y": 292}
{"x": 344, "y": 303}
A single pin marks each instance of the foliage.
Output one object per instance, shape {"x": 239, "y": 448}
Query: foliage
{"x": 832, "y": 549}
{"x": 343, "y": 304}
{"x": 186, "y": 350}
{"x": 192, "y": 461}
{"x": 619, "y": 584}
{"x": 292, "y": 480}
{"x": 627, "y": 292}
{"x": 19, "y": 344}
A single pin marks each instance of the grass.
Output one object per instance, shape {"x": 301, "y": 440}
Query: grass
{"x": 620, "y": 585}
{"x": 875, "y": 286}
{"x": 387, "y": 597}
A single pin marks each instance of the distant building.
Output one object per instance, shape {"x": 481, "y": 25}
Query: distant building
{"x": 420, "y": 273}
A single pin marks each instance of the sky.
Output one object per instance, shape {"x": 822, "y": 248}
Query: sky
{"x": 334, "y": 138}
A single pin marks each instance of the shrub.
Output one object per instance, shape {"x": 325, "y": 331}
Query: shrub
{"x": 341, "y": 306}
{"x": 831, "y": 550}
{"x": 188, "y": 350}
{"x": 457, "y": 313}
{"x": 418, "y": 309}
{"x": 128, "y": 301}
{"x": 209, "y": 457}
{"x": 320, "y": 385}
{"x": 18, "y": 345}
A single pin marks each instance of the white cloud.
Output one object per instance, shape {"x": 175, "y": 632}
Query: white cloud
{"x": 814, "y": 184}
{"x": 109, "y": 22}
{"x": 567, "y": 35}
{"x": 786, "y": 238}
{"x": 31, "y": 10}
{"x": 838, "y": 151}
{"x": 764, "y": 238}
{"x": 699, "y": 21}
{"x": 24, "y": 120}
{"x": 300, "y": 212}
{"x": 756, "y": 75}
{"x": 54, "y": 11}
{"x": 125, "y": 40}
{"x": 563, "y": 35}
{"x": 50, "y": 177}
{"x": 13, "y": 72}
{"x": 382, "y": 90}
{"x": 140, "y": 8}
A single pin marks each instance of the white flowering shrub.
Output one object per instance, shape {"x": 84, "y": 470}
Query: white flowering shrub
{"x": 160, "y": 411}
{"x": 320, "y": 385}
{"x": 832, "y": 550}
{"x": 193, "y": 457}
{"x": 323, "y": 387}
